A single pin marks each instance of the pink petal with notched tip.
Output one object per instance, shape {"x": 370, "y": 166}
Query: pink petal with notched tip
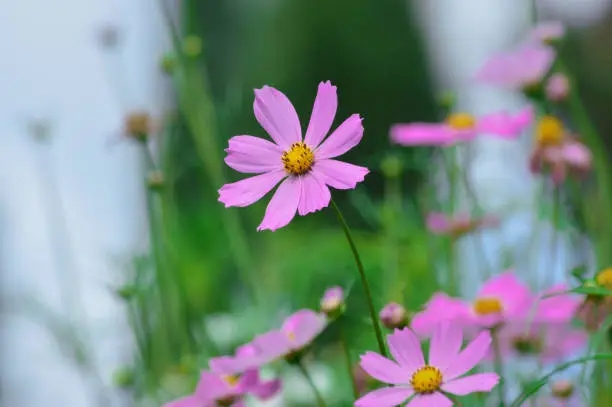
{"x": 345, "y": 137}
{"x": 383, "y": 369}
{"x": 469, "y": 357}
{"x": 386, "y": 397}
{"x": 430, "y": 400}
{"x": 445, "y": 344}
{"x": 480, "y": 382}
{"x": 277, "y": 116}
{"x": 250, "y": 154}
{"x": 422, "y": 134}
{"x": 315, "y": 194}
{"x": 405, "y": 347}
{"x": 338, "y": 174}
{"x": 249, "y": 190}
{"x": 323, "y": 113}
{"x": 283, "y": 205}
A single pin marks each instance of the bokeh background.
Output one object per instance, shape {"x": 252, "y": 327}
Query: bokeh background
{"x": 113, "y": 293}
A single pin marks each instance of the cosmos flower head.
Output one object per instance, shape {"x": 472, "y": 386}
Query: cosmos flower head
{"x": 458, "y": 225}
{"x": 547, "y": 32}
{"x": 462, "y": 127}
{"x": 427, "y": 383}
{"x": 521, "y": 69}
{"x": 305, "y": 166}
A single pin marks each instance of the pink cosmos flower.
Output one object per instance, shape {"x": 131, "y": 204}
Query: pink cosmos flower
{"x": 568, "y": 157}
{"x": 297, "y": 332}
{"x": 457, "y": 226}
{"x": 557, "y": 87}
{"x": 214, "y": 388}
{"x": 500, "y": 299}
{"x": 305, "y": 164}
{"x": 425, "y": 383}
{"x": 461, "y": 127}
{"x": 547, "y": 31}
{"x": 519, "y": 69}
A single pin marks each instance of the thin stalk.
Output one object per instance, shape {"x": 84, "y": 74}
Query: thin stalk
{"x": 364, "y": 280}
{"x": 499, "y": 366}
{"x": 450, "y": 166}
{"x": 556, "y": 219}
{"x": 349, "y": 364}
{"x": 311, "y": 383}
{"x": 393, "y": 201}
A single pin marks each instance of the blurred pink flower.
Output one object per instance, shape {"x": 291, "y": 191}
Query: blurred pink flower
{"x": 557, "y": 87}
{"x": 425, "y": 383}
{"x": 569, "y": 157}
{"x": 460, "y": 127}
{"x": 457, "y": 226}
{"x": 332, "y": 301}
{"x": 214, "y": 388}
{"x": 500, "y": 299}
{"x": 306, "y": 165}
{"x": 547, "y": 31}
{"x": 393, "y": 315}
{"x": 519, "y": 69}
{"x": 297, "y": 332}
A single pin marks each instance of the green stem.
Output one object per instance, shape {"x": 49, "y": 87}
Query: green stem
{"x": 499, "y": 367}
{"x": 311, "y": 383}
{"x": 349, "y": 364}
{"x": 393, "y": 202}
{"x": 364, "y": 280}
{"x": 450, "y": 166}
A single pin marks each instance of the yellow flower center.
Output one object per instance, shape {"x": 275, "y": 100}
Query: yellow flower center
{"x": 487, "y": 306}
{"x": 298, "y": 159}
{"x": 291, "y": 336}
{"x": 230, "y": 380}
{"x": 604, "y": 278}
{"x": 461, "y": 121}
{"x": 426, "y": 380}
{"x": 549, "y": 131}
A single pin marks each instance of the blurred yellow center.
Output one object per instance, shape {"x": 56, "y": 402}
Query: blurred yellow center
{"x": 549, "y": 131}
{"x": 487, "y": 306}
{"x": 461, "y": 121}
{"x": 604, "y": 278}
{"x": 426, "y": 380}
{"x": 298, "y": 159}
{"x": 291, "y": 336}
{"x": 230, "y": 380}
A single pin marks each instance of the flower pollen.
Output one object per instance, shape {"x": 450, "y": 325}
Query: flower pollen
{"x": 604, "y": 278}
{"x": 461, "y": 121}
{"x": 231, "y": 381}
{"x": 549, "y": 131}
{"x": 426, "y": 380}
{"x": 487, "y": 306}
{"x": 298, "y": 159}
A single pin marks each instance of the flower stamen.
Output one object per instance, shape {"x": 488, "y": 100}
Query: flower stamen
{"x": 461, "y": 121}
{"x": 231, "y": 381}
{"x": 298, "y": 159}
{"x": 426, "y": 380}
{"x": 487, "y": 306}
{"x": 549, "y": 131}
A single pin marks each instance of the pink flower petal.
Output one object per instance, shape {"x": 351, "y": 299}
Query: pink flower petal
{"x": 518, "y": 68}
{"x": 283, "y": 205}
{"x": 338, "y": 174}
{"x": 445, "y": 344}
{"x": 474, "y": 352}
{"x": 422, "y": 134}
{"x": 323, "y": 113}
{"x": 272, "y": 345}
{"x": 547, "y": 31}
{"x": 263, "y": 390}
{"x": 386, "y": 397}
{"x": 277, "y": 116}
{"x": 345, "y": 137}
{"x": 250, "y": 154}
{"x": 315, "y": 194}
{"x": 383, "y": 369}
{"x": 506, "y": 125}
{"x": 439, "y": 308}
{"x": 577, "y": 155}
{"x": 558, "y": 308}
{"x": 405, "y": 347}
{"x": 430, "y": 400}
{"x": 305, "y": 325}
{"x": 514, "y": 294}
{"x": 249, "y": 190}
{"x": 480, "y": 382}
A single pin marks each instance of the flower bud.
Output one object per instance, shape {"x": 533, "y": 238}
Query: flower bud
{"x": 604, "y": 278}
{"x": 394, "y": 315}
{"x": 126, "y": 292}
{"x": 167, "y": 63}
{"x": 332, "y": 303}
{"x": 155, "y": 180}
{"x": 562, "y": 389}
{"x": 124, "y": 377}
{"x": 138, "y": 126}
{"x": 557, "y": 88}
{"x": 192, "y": 46}
{"x": 391, "y": 166}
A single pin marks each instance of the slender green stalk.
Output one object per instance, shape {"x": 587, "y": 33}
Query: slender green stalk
{"x": 311, "y": 383}
{"x": 349, "y": 364}
{"x": 364, "y": 280}
{"x": 450, "y": 166}
{"x": 393, "y": 202}
{"x": 499, "y": 365}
